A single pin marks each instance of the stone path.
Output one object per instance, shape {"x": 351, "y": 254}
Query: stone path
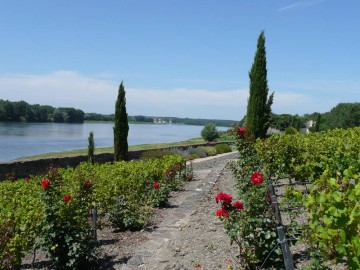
{"x": 190, "y": 236}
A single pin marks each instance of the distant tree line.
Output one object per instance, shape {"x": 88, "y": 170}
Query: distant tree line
{"x": 21, "y": 111}
{"x": 150, "y": 119}
{"x": 344, "y": 115}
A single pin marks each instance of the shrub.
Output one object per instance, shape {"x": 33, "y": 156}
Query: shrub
{"x": 291, "y": 131}
{"x": 197, "y": 152}
{"x": 209, "y": 150}
{"x": 210, "y": 133}
{"x": 222, "y": 148}
{"x": 128, "y": 215}
{"x": 157, "y": 153}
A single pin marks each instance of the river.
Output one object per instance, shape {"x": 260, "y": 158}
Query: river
{"x": 27, "y": 139}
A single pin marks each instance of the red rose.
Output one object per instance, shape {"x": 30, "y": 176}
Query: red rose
{"x": 156, "y": 185}
{"x": 241, "y": 130}
{"x": 191, "y": 158}
{"x": 224, "y": 198}
{"x": 222, "y": 213}
{"x": 257, "y": 178}
{"x": 27, "y": 179}
{"x": 239, "y": 205}
{"x": 67, "y": 198}
{"x": 45, "y": 184}
{"x": 177, "y": 166}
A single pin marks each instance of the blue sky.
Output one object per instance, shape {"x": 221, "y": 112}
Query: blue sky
{"x": 184, "y": 58}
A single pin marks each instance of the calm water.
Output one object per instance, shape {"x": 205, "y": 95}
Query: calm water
{"x": 27, "y": 139}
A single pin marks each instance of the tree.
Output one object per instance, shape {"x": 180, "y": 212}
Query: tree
{"x": 259, "y": 104}
{"x": 121, "y": 128}
{"x": 91, "y": 148}
{"x": 210, "y": 133}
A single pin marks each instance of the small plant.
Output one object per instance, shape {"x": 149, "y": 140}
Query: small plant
{"x": 196, "y": 152}
{"x": 156, "y": 153}
{"x": 128, "y": 215}
{"x": 209, "y": 150}
{"x": 160, "y": 194}
{"x": 222, "y": 148}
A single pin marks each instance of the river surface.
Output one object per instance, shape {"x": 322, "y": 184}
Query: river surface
{"x": 27, "y": 139}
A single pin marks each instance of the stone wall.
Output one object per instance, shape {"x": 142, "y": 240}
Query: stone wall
{"x": 21, "y": 169}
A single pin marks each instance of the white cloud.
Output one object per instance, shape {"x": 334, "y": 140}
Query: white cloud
{"x": 98, "y": 94}
{"x": 301, "y": 4}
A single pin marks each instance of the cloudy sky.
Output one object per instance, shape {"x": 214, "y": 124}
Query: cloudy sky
{"x": 184, "y": 58}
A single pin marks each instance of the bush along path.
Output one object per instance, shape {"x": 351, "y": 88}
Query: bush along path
{"x": 187, "y": 234}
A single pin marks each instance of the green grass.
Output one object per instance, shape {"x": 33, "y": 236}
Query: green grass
{"x": 111, "y": 149}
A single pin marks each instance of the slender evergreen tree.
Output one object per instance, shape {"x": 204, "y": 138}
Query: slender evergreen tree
{"x": 259, "y": 104}
{"x": 91, "y": 148}
{"x": 121, "y": 128}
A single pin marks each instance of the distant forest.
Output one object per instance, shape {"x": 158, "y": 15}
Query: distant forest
{"x": 21, "y": 111}
{"x": 344, "y": 115}
{"x": 162, "y": 120}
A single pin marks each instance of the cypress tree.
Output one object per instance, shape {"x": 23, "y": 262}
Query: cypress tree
{"x": 259, "y": 104}
{"x": 121, "y": 128}
{"x": 91, "y": 148}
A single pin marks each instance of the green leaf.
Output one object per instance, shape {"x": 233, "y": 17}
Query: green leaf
{"x": 342, "y": 235}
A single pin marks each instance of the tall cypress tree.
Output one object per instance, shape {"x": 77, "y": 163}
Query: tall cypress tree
{"x": 259, "y": 104}
{"x": 121, "y": 128}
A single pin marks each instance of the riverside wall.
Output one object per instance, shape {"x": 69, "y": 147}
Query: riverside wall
{"x": 21, "y": 169}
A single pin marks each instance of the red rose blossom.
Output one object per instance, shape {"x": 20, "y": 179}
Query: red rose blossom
{"x": 224, "y": 198}
{"x": 45, "y": 184}
{"x": 257, "y": 178}
{"x": 222, "y": 213}
{"x": 156, "y": 185}
{"x": 67, "y": 198}
{"x": 191, "y": 158}
{"x": 241, "y": 130}
{"x": 26, "y": 179}
{"x": 239, "y": 205}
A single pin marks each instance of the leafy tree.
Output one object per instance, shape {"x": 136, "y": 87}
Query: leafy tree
{"x": 121, "y": 128}
{"x": 259, "y": 104}
{"x": 210, "y": 133}
{"x": 91, "y": 148}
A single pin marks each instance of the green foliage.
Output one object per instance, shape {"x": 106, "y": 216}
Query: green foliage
{"x": 159, "y": 194}
{"x": 128, "y": 215}
{"x": 62, "y": 228}
{"x": 280, "y": 121}
{"x": 222, "y": 148}
{"x": 66, "y": 233}
{"x": 91, "y": 148}
{"x": 253, "y": 228}
{"x": 156, "y": 153}
{"x": 121, "y": 128}
{"x": 196, "y": 152}
{"x": 331, "y": 161}
{"x": 24, "y": 112}
{"x": 291, "y": 131}
{"x": 209, "y": 132}
{"x": 344, "y": 115}
{"x": 209, "y": 150}
{"x": 259, "y": 104}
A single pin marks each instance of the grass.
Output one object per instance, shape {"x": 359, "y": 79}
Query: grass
{"x": 223, "y": 137}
